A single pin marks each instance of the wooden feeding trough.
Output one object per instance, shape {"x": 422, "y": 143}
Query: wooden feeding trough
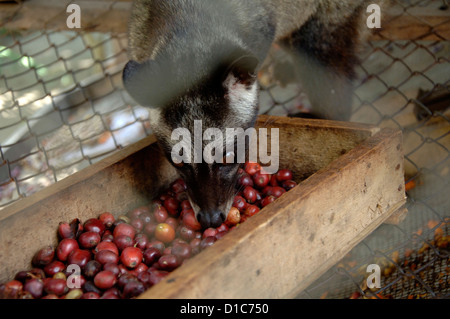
{"x": 351, "y": 181}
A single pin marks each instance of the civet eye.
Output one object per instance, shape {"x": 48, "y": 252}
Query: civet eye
{"x": 229, "y": 158}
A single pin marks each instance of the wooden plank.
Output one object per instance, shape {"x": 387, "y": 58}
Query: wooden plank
{"x": 96, "y": 15}
{"x": 293, "y": 241}
{"x": 309, "y": 145}
{"x": 424, "y": 23}
{"x": 128, "y": 177}
{"x": 307, "y": 230}
{"x": 119, "y": 183}
{"x": 415, "y": 23}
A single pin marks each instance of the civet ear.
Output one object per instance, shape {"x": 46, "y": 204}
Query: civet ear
{"x": 150, "y": 83}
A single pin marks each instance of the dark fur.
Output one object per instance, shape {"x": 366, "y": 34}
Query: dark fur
{"x": 325, "y": 55}
{"x": 194, "y": 59}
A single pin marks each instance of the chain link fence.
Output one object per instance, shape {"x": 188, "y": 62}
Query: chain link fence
{"x": 63, "y": 107}
{"x": 405, "y": 83}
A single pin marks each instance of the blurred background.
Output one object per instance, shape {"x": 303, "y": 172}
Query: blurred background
{"x": 63, "y": 108}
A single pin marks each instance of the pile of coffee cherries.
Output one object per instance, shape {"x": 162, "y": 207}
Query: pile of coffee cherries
{"x": 120, "y": 257}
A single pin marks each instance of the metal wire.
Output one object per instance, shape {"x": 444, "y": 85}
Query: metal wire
{"x": 63, "y": 108}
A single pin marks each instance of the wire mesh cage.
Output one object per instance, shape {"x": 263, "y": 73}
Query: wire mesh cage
{"x": 63, "y": 108}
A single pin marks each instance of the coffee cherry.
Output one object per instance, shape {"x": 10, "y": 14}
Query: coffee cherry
{"x": 111, "y": 293}
{"x": 160, "y": 213}
{"x": 106, "y": 257}
{"x": 186, "y": 204}
{"x": 123, "y": 241}
{"x": 106, "y": 245}
{"x": 245, "y": 180}
{"x": 54, "y": 267}
{"x": 288, "y": 185}
{"x": 168, "y": 262}
{"x": 44, "y": 256}
{"x": 250, "y": 194}
{"x": 151, "y": 255}
{"x": 137, "y": 223}
{"x": 147, "y": 217}
{"x": 56, "y": 286}
{"x": 90, "y": 286}
{"x": 35, "y": 287}
{"x": 107, "y": 219}
{"x": 209, "y": 232}
{"x": 131, "y": 257}
{"x": 59, "y": 275}
{"x": 133, "y": 289}
{"x": 273, "y": 180}
{"x": 172, "y": 222}
{"x": 234, "y": 216}
{"x": 222, "y": 227}
{"x": 79, "y": 257}
{"x": 277, "y": 191}
{"x": 65, "y": 231}
{"x": 141, "y": 241}
{"x": 137, "y": 212}
{"x": 156, "y": 244}
{"x": 252, "y": 168}
{"x": 105, "y": 279}
{"x": 186, "y": 233}
{"x": 267, "y": 191}
{"x": 74, "y": 294}
{"x": 149, "y": 229}
{"x": 251, "y": 210}
{"x": 65, "y": 247}
{"x": 124, "y": 229}
{"x": 112, "y": 267}
{"x": 107, "y": 236}
{"x": 182, "y": 250}
{"x": 94, "y": 225}
{"x": 164, "y": 232}
{"x": 239, "y": 202}
{"x": 11, "y": 290}
{"x": 267, "y": 200}
{"x": 171, "y": 205}
{"x": 284, "y": 175}
{"x": 190, "y": 221}
{"x": 156, "y": 276}
{"x": 89, "y": 239}
{"x": 90, "y": 295}
{"x": 178, "y": 186}
{"x": 92, "y": 268}
{"x": 261, "y": 180}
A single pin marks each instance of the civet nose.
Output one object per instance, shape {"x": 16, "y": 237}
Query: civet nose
{"x": 210, "y": 219}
